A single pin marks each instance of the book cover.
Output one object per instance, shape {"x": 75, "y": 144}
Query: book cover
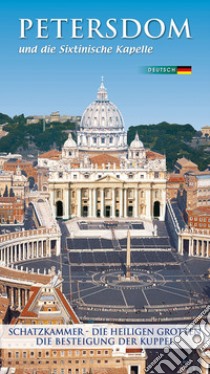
{"x": 104, "y": 187}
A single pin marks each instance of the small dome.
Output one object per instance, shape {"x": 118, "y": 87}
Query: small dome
{"x": 136, "y": 143}
{"x": 70, "y": 143}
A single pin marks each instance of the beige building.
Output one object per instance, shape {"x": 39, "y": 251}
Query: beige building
{"x": 48, "y": 305}
{"x": 198, "y": 190}
{"x": 99, "y": 175}
{"x": 175, "y": 182}
{"x": 53, "y": 117}
{"x": 183, "y": 165}
{"x": 205, "y": 130}
{"x": 15, "y": 181}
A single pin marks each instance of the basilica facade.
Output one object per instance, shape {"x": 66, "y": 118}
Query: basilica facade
{"x": 99, "y": 175}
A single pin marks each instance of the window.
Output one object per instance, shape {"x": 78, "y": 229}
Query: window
{"x": 24, "y": 354}
{"x": 111, "y": 140}
{"x": 94, "y": 140}
{"x": 60, "y": 174}
{"x": 70, "y": 153}
{"x": 103, "y": 140}
{"x": 156, "y": 174}
{"x": 9, "y": 354}
{"x": 17, "y": 355}
{"x": 39, "y": 354}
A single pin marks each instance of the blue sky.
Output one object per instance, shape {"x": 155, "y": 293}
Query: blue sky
{"x": 40, "y": 84}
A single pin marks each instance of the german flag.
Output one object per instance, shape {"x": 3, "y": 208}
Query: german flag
{"x": 184, "y": 70}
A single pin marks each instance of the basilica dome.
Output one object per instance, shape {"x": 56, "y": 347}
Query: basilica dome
{"x": 102, "y": 113}
{"x": 102, "y": 126}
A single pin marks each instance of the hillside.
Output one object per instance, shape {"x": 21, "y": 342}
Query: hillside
{"x": 170, "y": 139}
{"x": 28, "y": 138}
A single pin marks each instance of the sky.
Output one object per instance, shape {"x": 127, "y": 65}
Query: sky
{"x": 38, "y": 84}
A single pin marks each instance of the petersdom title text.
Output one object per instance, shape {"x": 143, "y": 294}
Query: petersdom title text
{"x": 93, "y": 29}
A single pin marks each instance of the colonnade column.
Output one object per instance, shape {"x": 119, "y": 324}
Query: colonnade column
{"x": 94, "y": 203}
{"x": 125, "y": 203}
{"x": 90, "y": 209}
{"x": 79, "y": 197}
{"x": 102, "y": 202}
{"x": 136, "y": 203}
{"x": 121, "y": 203}
{"x": 148, "y": 203}
{"x": 113, "y": 213}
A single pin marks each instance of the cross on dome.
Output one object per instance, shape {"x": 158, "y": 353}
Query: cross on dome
{"x": 102, "y": 92}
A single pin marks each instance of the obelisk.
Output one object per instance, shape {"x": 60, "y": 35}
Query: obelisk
{"x": 128, "y": 257}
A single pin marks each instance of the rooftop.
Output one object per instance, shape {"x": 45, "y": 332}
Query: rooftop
{"x": 185, "y": 162}
{"x": 4, "y": 304}
{"x": 153, "y": 155}
{"x": 24, "y": 276}
{"x": 201, "y": 211}
{"x": 104, "y": 159}
{"x": 53, "y": 155}
{"x": 176, "y": 178}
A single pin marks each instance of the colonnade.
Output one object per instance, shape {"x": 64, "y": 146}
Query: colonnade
{"x": 194, "y": 245}
{"x": 28, "y": 245}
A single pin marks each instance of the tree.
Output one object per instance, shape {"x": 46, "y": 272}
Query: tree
{"x": 5, "y": 194}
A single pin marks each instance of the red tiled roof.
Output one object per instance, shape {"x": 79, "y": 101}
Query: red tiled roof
{"x": 154, "y": 155}
{"x": 4, "y": 305}
{"x": 104, "y": 159}
{"x": 200, "y": 211}
{"x": 185, "y": 162}
{"x": 72, "y": 314}
{"x": 53, "y": 154}
{"x": 133, "y": 350}
{"x": 176, "y": 178}
{"x": 18, "y": 275}
{"x": 26, "y": 312}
